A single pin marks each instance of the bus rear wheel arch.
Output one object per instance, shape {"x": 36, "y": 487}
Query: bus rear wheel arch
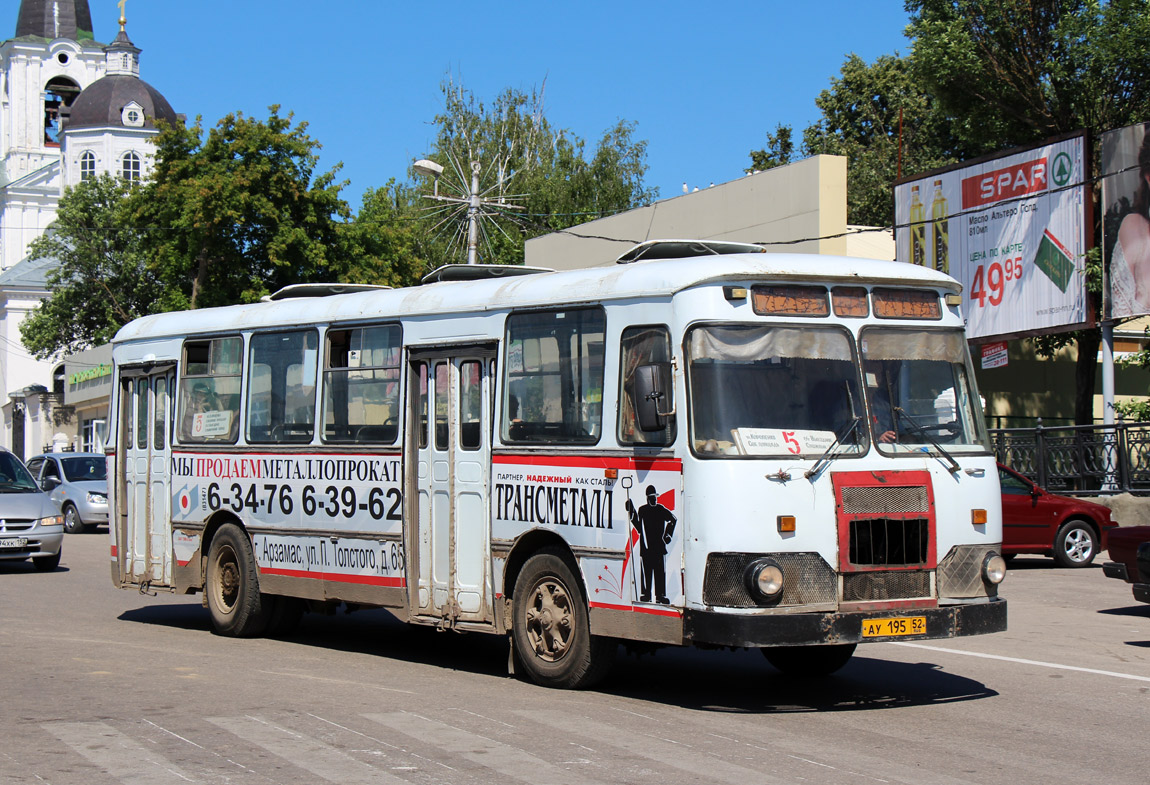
{"x": 237, "y": 607}
{"x": 550, "y": 627}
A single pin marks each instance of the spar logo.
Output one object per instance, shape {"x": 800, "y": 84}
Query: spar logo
{"x": 1010, "y": 182}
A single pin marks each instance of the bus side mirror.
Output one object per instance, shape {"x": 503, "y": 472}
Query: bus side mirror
{"x": 652, "y": 396}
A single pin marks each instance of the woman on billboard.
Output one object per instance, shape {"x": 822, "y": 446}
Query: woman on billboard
{"x": 1130, "y": 264}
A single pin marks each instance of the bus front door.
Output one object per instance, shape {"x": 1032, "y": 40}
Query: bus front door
{"x": 448, "y": 540}
{"x": 144, "y": 536}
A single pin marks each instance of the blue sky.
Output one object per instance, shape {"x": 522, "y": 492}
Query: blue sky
{"x": 703, "y": 81}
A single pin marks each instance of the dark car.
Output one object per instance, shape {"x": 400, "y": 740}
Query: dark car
{"x": 1129, "y": 547}
{"x": 1037, "y": 521}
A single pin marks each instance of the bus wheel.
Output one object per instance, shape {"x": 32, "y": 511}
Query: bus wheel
{"x": 237, "y": 608}
{"x": 550, "y": 627}
{"x": 809, "y": 660}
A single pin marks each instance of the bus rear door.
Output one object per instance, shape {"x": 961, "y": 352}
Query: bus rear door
{"x": 448, "y": 537}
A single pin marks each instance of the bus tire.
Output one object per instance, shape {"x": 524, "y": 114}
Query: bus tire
{"x": 809, "y": 661}
{"x": 551, "y": 629}
{"x": 235, "y": 603}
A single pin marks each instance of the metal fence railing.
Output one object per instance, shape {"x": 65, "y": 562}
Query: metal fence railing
{"x": 1079, "y": 458}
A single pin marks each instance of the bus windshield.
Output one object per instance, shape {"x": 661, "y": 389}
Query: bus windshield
{"x": 920, "y": 391}
{"x": 773, "y": 390}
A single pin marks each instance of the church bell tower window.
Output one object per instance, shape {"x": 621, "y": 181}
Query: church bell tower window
{"x": 59, "y": 94}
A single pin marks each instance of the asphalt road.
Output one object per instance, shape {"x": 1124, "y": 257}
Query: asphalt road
{"x": 105, "y": 687}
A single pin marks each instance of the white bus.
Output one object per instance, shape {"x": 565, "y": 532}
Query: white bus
{"x": 731, "y": 449}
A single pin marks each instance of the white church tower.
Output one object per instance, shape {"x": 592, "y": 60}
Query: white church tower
{"x": 70, "y": 109}
{"x": 43, "y": 69}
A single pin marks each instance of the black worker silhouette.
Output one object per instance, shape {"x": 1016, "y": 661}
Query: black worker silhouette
{"x": 655, "y": 524}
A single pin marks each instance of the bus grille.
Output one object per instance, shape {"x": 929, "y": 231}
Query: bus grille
{"x": 889, "y": 541}
{"x": 807, "y": 580}
{"x": 885, "y": 585}
{"x": 880, "y": 499}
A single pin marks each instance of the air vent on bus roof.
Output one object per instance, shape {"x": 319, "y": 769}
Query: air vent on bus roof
{"x": 476, "y": 272}
{"x": 318, "y": 290}
{"x": 682, "y": 249}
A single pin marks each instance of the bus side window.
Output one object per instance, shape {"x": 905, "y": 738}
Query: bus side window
{"x": 208, "y": 391}
{"x": 361, "y": 385}
{"x": 281, "y": 388}
{"x": 641, "y": 346}
{"x": 553, "y": 377}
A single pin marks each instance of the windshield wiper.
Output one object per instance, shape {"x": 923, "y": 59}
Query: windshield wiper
{"x": 840, "y": 437}
{"x": 954, "y": 468}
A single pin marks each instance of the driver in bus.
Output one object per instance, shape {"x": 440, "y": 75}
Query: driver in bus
{"x": 879, "y": 385}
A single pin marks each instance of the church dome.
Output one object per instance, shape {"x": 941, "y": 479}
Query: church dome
{"x": 103, "y": 102}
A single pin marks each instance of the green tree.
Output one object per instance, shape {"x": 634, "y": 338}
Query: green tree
{"x": 1014, "y": 72}
{"x": 242, "y": 210}
{"x": 103, "y": 279}
{"x": 879, "y": 118}
{"x": 779, "y": 151}
{"x": 539, "y": 172}
{"x": 386, "y": 244}
{"x": 225, "y": 217}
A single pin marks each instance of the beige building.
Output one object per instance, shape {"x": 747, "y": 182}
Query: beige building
{"x": 798, "y": 208}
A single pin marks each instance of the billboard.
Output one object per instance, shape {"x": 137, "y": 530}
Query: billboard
{"x": 1011, "y": 229}
{"x": 1126, "y": 225}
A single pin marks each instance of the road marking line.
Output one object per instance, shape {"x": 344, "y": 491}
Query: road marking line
{"x": 1021, "y": 661}
{"x": 322, "y": 760}
{"x": 117, "y": 754}
{"x": 484, "y": 751}
{"x": 665, "y": 752}
{"x": 337, "y": 681}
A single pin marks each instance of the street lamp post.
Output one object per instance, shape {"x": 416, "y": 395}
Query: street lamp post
{"x": 472, "y": 201}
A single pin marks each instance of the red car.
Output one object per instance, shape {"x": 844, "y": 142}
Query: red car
{"x": 1130, "y": 549}
{"x": 1036, "y": 521}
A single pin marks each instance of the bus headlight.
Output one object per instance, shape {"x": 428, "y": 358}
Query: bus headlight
{"x": 993, "y": 568}
{"x": 764, "y": 579}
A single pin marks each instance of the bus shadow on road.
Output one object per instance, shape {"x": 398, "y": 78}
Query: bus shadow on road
{"x": 694, "y": 679}
{"x": 743, "y": 682}
{"x": 373, "y": 632}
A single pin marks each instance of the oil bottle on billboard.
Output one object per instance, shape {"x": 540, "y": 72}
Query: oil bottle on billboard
{"x": 918, "y": 248}
{"x": 941, "y": 230}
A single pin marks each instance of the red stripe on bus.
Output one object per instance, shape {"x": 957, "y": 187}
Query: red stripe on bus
{"x": 367, "y": 580}
{"x": 651, "y": 611}
{"x": 597, "y": 462}
{"x": 113, "y": 551}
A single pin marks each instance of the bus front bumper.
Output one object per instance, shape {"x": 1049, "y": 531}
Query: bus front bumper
{"x": 804, "y": 629}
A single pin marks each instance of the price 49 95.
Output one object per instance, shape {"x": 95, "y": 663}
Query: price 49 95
{"x": 990, "y": 280}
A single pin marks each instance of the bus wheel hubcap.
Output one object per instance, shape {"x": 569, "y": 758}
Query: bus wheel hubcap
{"x": 550, "y": 621}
